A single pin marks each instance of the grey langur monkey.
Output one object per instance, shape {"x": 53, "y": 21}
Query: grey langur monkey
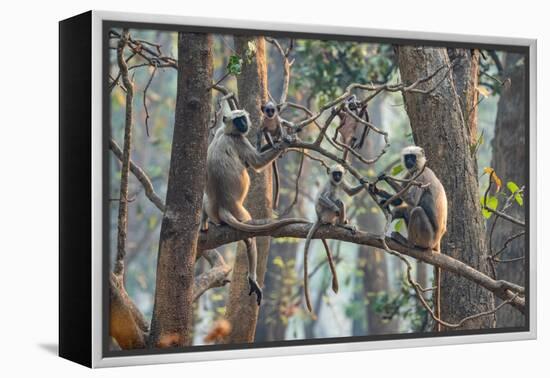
{"x": 423, "y": 208}
{"x": 330, "y": 210}
{"x": 349, "y": 127}
{"x": 272, "y": 129}
{"x": 229, "y": 155}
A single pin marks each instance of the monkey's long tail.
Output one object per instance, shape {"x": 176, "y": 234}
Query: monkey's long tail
{"x": 228, "y": 218}
{"x": 335, "y": 285}
{"x": 276, "y": 184}
{"x": 310, "y": 234}
{"x": 437, "y": 301}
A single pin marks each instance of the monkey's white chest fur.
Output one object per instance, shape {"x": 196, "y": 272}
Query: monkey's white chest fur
{"x": 227, "y": 179}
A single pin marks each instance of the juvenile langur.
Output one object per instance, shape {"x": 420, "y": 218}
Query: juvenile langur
{"x": 229, "y": 155}
{"x": 423, "y": 208}
{"x": 272, "y": 129}
{"x": 330, "y": 210}
{"x": 349, "y": 127}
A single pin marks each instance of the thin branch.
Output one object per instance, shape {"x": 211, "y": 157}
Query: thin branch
{"x": 125, "y": 170}
{"x": 141, "y": 176}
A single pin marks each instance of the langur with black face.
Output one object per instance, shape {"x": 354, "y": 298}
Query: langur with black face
{"x": 350, "y": 128}
{"x": 273, "y": 129}
{"x": 229, "y": 155}
{"x": 330, "y": 210}
{"x": 424, "y": 208}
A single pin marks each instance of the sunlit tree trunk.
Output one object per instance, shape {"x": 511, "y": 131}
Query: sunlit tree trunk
{"x": 438, "y": 125}
{"x": 508, "y": 162}
{"x": 172, "y": 314}
{"x": 242, "y": 310}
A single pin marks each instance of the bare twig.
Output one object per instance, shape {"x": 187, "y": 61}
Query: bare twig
{"x": 141, "y": 176}
{"x": 125, "y": 170}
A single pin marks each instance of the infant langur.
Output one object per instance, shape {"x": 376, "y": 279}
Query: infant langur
{"x": 229, "y": 155}
{"x": 424, "y": 208}
{"x": 330, "y": 210}
{"x": 274, "y": 129}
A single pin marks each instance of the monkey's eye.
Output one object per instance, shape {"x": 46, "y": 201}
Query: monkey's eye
{"x": 337, "y": 176}
{"x": 270, "y": 112}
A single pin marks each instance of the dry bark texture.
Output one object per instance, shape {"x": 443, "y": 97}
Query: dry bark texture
{"x": 127, "y": 147}
{"x": 438, "y": 125}
{"x": 172, "y": 315}
{"x": 242, "y": 309}
{"x": 465, "y": 75}
{"x": 508, "y": 157}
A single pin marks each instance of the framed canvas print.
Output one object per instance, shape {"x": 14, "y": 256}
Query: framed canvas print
{"x": 234, "y": 188}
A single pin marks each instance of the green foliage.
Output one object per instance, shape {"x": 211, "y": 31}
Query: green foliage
{"x": 491, "y": 203}
{"x": 235, "y": 65}
{"x": 514, "y": 189}
{"x": 404, "y": 304}
{"x": 329, "y": 67}
{"x": 397, "y": 169}
{"x": 398, "y": 225}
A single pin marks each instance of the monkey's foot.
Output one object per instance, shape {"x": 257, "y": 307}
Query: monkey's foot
{"x": 350, "y": 228}
{"x": 400, "y": 239}
{"x": 254, "y": 288}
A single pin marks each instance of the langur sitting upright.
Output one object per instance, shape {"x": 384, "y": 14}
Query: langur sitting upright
{"x": 424, "y": 208}
{"x": 330, "y": 210}
{"x": 229, "y": 155}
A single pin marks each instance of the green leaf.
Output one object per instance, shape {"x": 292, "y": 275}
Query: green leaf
{"x": 235, "y": 64}
{"x": 397, "y": 169}
{"x": 519, "y": 199}
{"x": 492, "y": 203}
{"x": 398, "y": 225}
{"x": 512, "y": 187}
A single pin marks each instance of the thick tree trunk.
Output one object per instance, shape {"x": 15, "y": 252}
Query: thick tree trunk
{"x": 242, "y": 309}
{"x": 172, "y": 314}
{"x": 438, "y": 125}
{"x": 508, "y": 157}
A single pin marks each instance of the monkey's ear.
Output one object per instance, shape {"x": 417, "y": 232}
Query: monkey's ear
{"x": 278, "y": 107}
{"x": 225, "y": 119}
{"x": 263, "y": 108}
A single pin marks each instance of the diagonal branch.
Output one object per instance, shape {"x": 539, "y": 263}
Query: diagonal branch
{"x": 220, "y": 235}
{"x": 141, "y": 176}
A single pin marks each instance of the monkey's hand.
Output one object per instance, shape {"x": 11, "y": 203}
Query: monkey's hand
{"x": 382, "y": 177}
{"x": 254, "y": 288}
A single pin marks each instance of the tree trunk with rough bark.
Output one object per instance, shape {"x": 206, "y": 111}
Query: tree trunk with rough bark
{"x": 508, "y": 157}
{"x": 438, "y": 125}
{"x": 242, "y": 309}
{"x": 171, "y": 324}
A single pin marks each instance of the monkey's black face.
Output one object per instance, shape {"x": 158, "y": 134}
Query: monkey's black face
{"x": 337, "y": 176}
{"x": 269, "y": 111}
{"x": 410, "y": 161}
{"x": 241, "y": 124}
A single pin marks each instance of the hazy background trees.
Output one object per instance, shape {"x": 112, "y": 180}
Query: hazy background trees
{"x": 373, "y": 298}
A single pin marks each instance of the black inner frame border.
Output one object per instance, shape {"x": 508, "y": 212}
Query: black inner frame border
{"x": 106, "y": 117}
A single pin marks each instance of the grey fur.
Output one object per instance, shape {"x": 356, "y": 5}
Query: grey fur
{"x": 330, "y": 210}
{"x": 229, "y": 155}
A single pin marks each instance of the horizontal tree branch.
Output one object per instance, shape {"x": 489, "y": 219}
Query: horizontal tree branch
{"x": 220, "y": 235}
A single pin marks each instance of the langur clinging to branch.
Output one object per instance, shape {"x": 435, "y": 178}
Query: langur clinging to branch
{"x": 273, "y": 129}
{"x": 229, "y": 155}
{"x": 349, "y": 127}
{"x": 422, "y": 206}
{"x": 330, "y": 210}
